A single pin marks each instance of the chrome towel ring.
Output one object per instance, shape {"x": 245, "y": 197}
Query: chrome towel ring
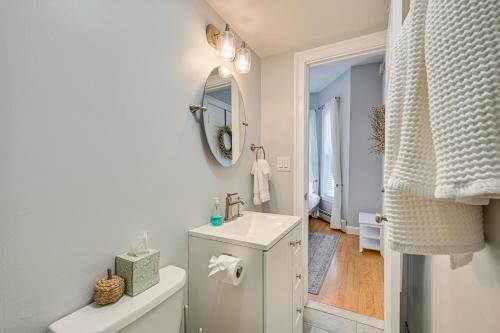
{"x": 257, "y": 148}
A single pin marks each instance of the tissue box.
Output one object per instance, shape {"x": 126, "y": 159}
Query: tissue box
{"x": 139, "y": 272}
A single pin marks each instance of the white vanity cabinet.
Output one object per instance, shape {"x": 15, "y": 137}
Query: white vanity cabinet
{"x": 269, "y": 298}
{"x": 283, "y": 286}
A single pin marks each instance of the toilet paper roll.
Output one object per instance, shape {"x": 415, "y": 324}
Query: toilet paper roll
{"x": 227, "y": 269}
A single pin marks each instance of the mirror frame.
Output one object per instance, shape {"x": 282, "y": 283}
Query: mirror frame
{"x": 225, "y": 152}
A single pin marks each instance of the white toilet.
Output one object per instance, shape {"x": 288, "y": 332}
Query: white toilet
{"x": 158, "y": 309}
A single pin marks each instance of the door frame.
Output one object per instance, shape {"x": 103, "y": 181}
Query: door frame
{"x": 393, "y": 261}
{"x": 371, "y": 44}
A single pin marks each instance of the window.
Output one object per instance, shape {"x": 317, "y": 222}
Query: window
{"x": 327, "y": 182}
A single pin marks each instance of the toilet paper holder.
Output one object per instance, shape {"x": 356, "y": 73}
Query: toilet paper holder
{"x": 239, "y": 271}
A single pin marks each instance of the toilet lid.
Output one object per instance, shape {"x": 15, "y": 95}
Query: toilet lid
{"x": 111, "y": 318}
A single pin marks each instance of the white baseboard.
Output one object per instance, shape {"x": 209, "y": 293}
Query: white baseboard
{"x": 352, "y": 230}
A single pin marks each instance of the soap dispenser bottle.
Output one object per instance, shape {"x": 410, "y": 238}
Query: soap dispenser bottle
{"x": 216, "y": 219}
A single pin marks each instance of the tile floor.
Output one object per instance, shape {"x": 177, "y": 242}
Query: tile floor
{"x": 321, "y": 318}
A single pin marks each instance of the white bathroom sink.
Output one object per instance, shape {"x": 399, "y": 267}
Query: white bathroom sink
{"x": 257, "y": 230}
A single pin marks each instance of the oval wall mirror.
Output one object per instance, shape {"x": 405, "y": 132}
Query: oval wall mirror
{"x": 224, "y": 119}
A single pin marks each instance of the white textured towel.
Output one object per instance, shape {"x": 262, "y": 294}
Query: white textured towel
{"x": 261, "y": 172}
{"x": 443, "y": 127}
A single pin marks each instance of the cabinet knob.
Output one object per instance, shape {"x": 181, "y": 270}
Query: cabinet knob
{"x": 299, "y": 242}
{"x": 298, "y": 276}
{"x": 292, "y": 243}
{"x": 299, "y": 310}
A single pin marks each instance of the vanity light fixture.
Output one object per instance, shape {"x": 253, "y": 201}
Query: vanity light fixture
{"x": 224, "y": 42}
{"x": 243, "y": 59}
{"x": 225, "y": 45}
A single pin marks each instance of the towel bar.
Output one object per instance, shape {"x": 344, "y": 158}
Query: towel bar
{"x": 254, "y": 147}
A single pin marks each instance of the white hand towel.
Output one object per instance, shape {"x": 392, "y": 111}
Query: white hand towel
{"x": 261, "y": 172}
{"x": 443, "y": 128}
{"x": 265, "y": 170}
{"x": 256, "y": 189}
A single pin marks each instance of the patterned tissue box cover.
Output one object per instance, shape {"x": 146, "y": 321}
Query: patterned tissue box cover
{"x": 139, "y": 272}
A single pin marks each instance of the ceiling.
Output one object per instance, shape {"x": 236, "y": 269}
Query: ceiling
{"x": 275, "y": 26}
{"x": 321, "y": 76}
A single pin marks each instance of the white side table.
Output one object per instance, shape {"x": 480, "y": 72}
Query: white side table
{"x": 371, "y": 233}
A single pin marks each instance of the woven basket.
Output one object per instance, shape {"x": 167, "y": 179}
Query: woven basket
{"x": 109, "y": 289}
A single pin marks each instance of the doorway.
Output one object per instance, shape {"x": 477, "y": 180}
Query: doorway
{"x": 371, "y": 44}
{"x": 368, "y": 45}
{"x": 345, "y": 185}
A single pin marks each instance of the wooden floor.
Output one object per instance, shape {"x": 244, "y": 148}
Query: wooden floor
{"x": 355, "y": 281}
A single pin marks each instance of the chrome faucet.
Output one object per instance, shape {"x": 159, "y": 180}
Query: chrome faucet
{"x": 230, "y": 202}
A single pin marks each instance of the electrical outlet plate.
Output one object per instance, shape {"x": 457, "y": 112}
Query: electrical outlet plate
{"x": 283, "y": 164}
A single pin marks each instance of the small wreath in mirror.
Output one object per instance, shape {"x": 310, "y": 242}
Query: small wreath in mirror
{"x": 225, "y": 131}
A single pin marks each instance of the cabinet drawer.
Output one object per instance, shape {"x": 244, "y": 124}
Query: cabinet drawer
{"x": 298, "y": 308}
{"x": 297, "y": 279}
{"x": 297, "y": 244}
{"x": 298, "y": 254}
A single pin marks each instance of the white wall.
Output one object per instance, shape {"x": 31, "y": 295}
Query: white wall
{"x": 277, "y": 127}
{"x": 460, "y": 301}
{"x": 365, "y": 168}
{"x": 313, "y": 100}
{"x": 97, "y": 144}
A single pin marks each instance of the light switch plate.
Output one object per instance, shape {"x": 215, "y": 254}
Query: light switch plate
{"x": 283, "y": 163}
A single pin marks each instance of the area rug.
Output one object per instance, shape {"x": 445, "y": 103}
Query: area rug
{"x": 321, "y": 250}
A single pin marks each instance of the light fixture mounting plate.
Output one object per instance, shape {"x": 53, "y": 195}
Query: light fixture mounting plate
{"x": 212, "y": 35}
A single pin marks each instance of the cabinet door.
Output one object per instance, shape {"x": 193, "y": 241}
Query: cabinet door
{"x": 218, "y": 307}
{"x": 278, "y": 296}
{"x": 298, "y": 252}
{"x": 297, "y": 260}
{"x": 298, "y": 310}
{"x": 297, "y": 278}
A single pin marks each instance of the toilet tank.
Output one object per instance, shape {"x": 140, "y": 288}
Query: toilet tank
{"x": 158, "y": 309}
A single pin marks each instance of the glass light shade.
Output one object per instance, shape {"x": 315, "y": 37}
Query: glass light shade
{"x": 243, "y": 60}
{"x": 224, "y": 72}
{"x": 226, "y": 45}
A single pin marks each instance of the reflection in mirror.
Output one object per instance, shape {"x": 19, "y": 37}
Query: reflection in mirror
{"x": 224, "y": 120}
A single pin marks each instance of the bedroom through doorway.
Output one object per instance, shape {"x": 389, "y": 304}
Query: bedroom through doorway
{"x": 345, "y": 253}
